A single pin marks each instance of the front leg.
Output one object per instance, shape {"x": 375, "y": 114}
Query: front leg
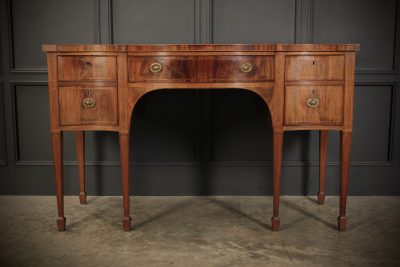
{"x": 277, "y": 168}
{"x": 57, "y": 140}
{"x": 80, "y": 155}
{"x": 323, "y": 144}
{"x": 344, "y": 178}
{"x": 124, "y": 152}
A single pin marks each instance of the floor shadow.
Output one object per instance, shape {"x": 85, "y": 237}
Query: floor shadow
{"x": 297, "y": 208}
{"x": 92, "y": 199}
{"x": 233, "y": 209}
{"x": 87, "y": 219}
{"x": 168, "y": 211}
{"x": 312, "y": 199}
{"x": 99, "y": 213}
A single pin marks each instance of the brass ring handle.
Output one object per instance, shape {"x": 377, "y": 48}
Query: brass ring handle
{"x": 246, "y": 67}
{"x": 155, "y": 67}
{"x": 313, "y": 102}
{"x": 89, "y": 102}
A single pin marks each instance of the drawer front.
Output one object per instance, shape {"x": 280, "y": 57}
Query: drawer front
{"x": 321, "y": 67}
{"x": 87, "y": 68}
{"x": 88, "y": 105}
{"x": 201, "y": 69}
{"x": 322, "y": 105}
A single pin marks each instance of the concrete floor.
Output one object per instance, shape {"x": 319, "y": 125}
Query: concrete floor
{"x": 199, "y": 231}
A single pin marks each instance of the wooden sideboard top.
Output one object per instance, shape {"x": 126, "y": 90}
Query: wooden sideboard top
{"x": 199, "y": 47}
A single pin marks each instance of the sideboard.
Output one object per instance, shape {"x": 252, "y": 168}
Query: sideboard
{"x": 305, "y": 87}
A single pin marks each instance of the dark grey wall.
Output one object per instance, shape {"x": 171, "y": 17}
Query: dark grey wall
{"x": 199, "y": 142}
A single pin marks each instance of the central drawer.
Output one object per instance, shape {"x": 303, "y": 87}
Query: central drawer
{"x": 201, "y": 68}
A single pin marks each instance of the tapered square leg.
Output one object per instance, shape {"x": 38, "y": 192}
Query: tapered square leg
{"x": 61, "y": 224}
{"x": 344, "y": 178}
{"x": 321, "y": 198}
{"x": 82, "y": 198}
{"x": 80, "y": 155}
{"x": 127, "y": 223}
{"x": 323, "y": 145}
{"x": 278, "y": 142}
{"x": 342, "y": 223}
{"x": 276, "y": 223}
{"x": 124, "y": 152}
{"x": 57, "y": 141}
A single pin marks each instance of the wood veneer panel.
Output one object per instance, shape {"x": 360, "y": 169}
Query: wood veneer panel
{"x": 201, "y": 69}
{"x": 73, "y": 112}
{"x": 328, "y": 112}
{"x": 314, "y": 67}
{"x": 87, "y": 68}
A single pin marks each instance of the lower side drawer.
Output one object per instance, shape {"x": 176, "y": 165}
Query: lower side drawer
{"x": 88, "y": 105}
{"x": 313, "y": 105}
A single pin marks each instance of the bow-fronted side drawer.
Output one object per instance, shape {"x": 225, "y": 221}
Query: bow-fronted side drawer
{"x": 88, "y": 105}
{"x": 314, "y": 67}
{"x": 313, "y": 105}
{"x": 87, "y": 68}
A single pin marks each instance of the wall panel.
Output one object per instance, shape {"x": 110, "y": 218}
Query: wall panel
{"x": 48, "y": 21}
{"x": 254, "y": 21}
{"x": 31, "y": 122}
{"x": 373, "y": 127}
{"x": 370, "y": 23}
{"x": 155, "y": 21}
{"x": 3, "y": 147}
{"x": 207, "y": 141}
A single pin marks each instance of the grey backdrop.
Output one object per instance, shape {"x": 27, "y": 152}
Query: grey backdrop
{"x": 199, "y": 142}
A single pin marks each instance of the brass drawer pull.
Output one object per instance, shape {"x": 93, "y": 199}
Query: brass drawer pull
{"x": 89, "y": 102}
{"x": 155, "y": 67}
{"x": 246, "y": 67}
{"x": 313, "y": 102}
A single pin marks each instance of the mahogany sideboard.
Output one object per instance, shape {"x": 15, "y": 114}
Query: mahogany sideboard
{"x": 305, "y": 86}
